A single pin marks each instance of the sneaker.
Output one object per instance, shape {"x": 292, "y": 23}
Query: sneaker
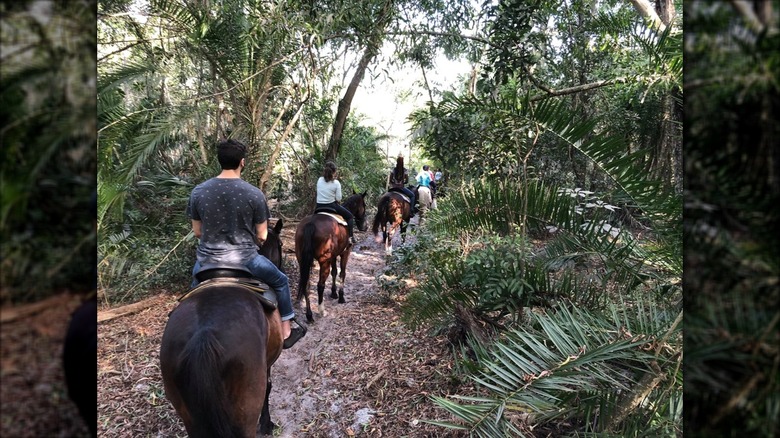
{"x": 295, "y": 335}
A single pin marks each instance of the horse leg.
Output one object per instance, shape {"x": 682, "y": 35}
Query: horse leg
{"x": 389, "y": 239}
{"x": 324, "y": 273}
{"x": 343, "y": 276}
{"x": 266, "y": 425}
{"x": 334, "y": 273}
{"x": 303, "y": 290}
{"x": 309, "y": 316}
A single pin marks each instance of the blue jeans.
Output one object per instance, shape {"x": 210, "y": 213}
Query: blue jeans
{"x": 263, "y": 269}
{"x": 410, "y": 194}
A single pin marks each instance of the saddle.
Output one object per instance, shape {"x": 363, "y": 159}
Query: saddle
{"x": 398, "y": 191}
{"x": 226, "y": 274}
{"x": 328, "y": 211}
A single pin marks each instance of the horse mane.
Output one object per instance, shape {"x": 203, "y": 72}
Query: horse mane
{"x": 272, "y": 248}
{"x": 351, "y": 201}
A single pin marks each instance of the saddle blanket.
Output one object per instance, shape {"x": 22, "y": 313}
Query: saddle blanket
{"x": 338, "y": 217}
{"x": 263, "y": 292}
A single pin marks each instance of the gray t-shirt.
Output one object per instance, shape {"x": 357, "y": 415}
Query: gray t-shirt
{"x": 229, "y": 210}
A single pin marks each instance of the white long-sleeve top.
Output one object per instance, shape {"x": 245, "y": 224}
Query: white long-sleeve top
{"x": 328, "y": 191}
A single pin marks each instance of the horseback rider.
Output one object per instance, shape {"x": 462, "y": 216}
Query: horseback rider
{"x": 432, "y": 184}
{"x": 398, "y": 178}
{"x": 329, "y": 196}
{"x": 230, "y": 217}
{"x": 424, "y": 178}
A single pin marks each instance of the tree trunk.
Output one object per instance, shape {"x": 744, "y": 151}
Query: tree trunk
{"x": 269, "y": 167}
{"x": 345, "y": 104}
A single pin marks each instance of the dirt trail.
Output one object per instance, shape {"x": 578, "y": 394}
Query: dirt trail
{"x": 33, "y": 393}
{"x": 299, "y": 369}
{"x": 358, "y": 371}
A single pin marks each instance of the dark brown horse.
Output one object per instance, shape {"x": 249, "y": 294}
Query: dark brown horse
{"x": 216, "y": 354}
{"x": 393, "y": 208}
{"x": 320, "y": 237}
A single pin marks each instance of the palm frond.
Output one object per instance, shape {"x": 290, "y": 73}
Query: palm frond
{"x": 570, "y": 354}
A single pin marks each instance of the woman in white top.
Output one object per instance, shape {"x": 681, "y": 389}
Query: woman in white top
{"x": 329, "y": 196}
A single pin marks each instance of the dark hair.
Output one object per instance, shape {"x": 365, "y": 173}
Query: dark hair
{"x": 398, "y": 172}
{"x": 426, "y": 167}
{"x": 329, "y": 170}
{"x": 230, "y": 153}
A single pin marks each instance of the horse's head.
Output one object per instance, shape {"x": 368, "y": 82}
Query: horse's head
{"x": 356, "y": 204}
{"x": 272, "y": 248}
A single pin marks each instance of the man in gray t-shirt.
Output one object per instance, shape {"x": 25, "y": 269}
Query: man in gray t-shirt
{"x": 228, "y": 209}
{"x": 227, "y": 215}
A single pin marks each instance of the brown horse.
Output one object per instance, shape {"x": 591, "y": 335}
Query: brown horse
{"x": 320, "y": 237}
{"x": 217, "y": 350}
{"x": 392, "y": 208}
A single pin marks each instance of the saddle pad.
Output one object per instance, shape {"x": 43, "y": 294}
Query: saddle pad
{"x": 338, "y": 217}
{"x": 263, "y": 292}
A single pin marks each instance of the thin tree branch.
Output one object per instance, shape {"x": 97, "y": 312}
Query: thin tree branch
{"x": 579, "y": 88}
{"x": 646, "y": 10}
{"x": 121, "y": 50}
{"x": 448, "y": 34}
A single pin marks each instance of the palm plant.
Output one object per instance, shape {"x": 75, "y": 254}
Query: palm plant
{"x": 732, "y": 259}
{"x": 590, "y": 368}
{"x": 619, "y": 393}
{"x": 47, "y": 117}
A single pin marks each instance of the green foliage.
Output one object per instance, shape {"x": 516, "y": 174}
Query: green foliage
{"x": 506, "y": 144}
{"x": 361, "y": 167}
{"x": 732, "y": 259}
{"x": 576, "y": 365}
{"x": 46, "y": 174}
{"x": 152, "y": 247}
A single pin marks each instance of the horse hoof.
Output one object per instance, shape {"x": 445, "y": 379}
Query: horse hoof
{"x": 265, "y": 430}
{"x": 342, "y": 301}
{"x": 334, "y": 295}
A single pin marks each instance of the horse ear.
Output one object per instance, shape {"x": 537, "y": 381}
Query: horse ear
{"x": 364, "y": 194}
{"x": 278, "y": 226}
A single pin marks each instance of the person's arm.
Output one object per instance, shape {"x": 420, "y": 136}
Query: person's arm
{"x": 387, "y": 183}
{"x": 261, "y": 232}
{"x": 338, "y": 190}
{"x": 197, "y": 228}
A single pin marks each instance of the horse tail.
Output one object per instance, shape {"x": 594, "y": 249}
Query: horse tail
{"x": 307, "y": 258}
{"x": 199, "y": 379}
{"x": 380, "y": 214}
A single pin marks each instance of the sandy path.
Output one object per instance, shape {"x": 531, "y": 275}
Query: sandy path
{"x": 296, "y": 373}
